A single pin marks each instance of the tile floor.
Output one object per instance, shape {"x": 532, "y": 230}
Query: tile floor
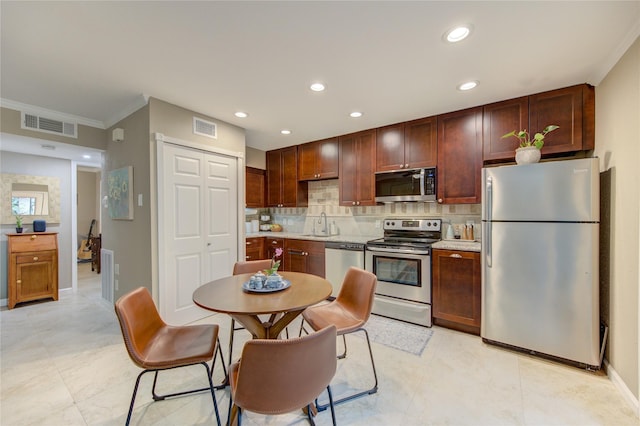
{"x": 64, "y": 363}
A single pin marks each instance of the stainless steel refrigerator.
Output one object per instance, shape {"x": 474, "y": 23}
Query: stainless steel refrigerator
{"x": 540, "y": 227}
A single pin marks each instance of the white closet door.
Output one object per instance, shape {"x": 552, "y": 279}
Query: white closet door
{"x": 199, "y": 225}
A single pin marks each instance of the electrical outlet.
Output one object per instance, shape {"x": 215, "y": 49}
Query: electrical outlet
{"x": 116, "y": 284}
{"x": 116, "y": 269}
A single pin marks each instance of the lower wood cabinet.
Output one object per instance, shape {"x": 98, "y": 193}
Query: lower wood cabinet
{"x": 33, "y": 267}
{"x": 456, "y": 289}
{"x": 255, "y": 249}
{"x": 304, "y": 256}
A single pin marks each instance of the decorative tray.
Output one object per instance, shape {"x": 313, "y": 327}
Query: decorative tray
{"x": 284, "y": 284}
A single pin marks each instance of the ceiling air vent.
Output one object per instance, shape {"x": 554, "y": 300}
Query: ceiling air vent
{"x": 49, "y": 125}
{"x": 205, "y": 128}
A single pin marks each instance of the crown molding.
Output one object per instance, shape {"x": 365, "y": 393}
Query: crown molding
{"x": 49, "y": 113}
{"x": 138, "y": 103}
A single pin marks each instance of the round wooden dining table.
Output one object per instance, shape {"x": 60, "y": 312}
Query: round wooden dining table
{"x": 226, "y": 295}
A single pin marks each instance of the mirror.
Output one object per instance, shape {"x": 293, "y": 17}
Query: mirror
{"x": 33, "y": 197}
{"x": 29, "y": 199}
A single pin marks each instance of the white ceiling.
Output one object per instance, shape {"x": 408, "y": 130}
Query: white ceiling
{"x": 99, "y": 60}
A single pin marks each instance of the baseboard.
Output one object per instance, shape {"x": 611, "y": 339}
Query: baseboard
{"x": 3, "y": 303}
{"x": 622, "y": 387}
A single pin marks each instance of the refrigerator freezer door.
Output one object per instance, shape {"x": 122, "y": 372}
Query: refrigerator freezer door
{"x": 552, "y": 191}
{"x": 540, "y": 288}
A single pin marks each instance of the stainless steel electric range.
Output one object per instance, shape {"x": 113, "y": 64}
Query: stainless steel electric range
{"x": 402, "y": 262}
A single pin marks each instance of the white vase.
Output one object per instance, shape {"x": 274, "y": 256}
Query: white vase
{"x": 527, "y": 155}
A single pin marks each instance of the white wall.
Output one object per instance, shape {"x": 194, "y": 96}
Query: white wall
{"x": 618, "y": 147}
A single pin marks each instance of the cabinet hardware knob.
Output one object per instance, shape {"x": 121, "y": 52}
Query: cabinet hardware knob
{"x": 248, "y": 243}
{"x": 406, "y": 165}
{"x": 440, "y": 200}
{"x": 19, "y": 282}
{"x": 456, "y": 255}
{"x": 33, "y": 237}
{"x": 35, "y": 257}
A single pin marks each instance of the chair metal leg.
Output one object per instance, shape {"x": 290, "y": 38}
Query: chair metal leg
{"x": 309, "y": 416}
{"x": 133, "y": 397}
{"x": 333, "y": 411}
{"x": 373, "y": 390}
{"x": 344, "y": 354}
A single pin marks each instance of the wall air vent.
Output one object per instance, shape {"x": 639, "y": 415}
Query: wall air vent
{"x": 49, "y": 125}
{"x": 205, "y": 128}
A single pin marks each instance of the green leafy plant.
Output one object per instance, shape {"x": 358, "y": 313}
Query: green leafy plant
{"x": 18, "y": 221}
{"x": 525, "y": 139}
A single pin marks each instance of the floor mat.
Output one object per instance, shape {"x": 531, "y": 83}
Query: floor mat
{"x": 397, "y": 334}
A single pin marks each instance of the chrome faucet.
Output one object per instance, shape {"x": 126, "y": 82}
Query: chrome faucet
{"x": 325, "y": 229}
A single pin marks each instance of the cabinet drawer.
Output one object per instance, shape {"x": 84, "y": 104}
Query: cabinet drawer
{"x": 47, "y": 256}
{"x": 33, "y": 242}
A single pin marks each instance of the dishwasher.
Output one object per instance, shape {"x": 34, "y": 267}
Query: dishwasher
{"x": 339, "y": 257}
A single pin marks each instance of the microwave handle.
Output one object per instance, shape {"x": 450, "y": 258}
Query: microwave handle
{"x": 422, "y": 173}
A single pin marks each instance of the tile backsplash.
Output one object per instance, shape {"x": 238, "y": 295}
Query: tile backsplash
{"x": 364, "y": 220}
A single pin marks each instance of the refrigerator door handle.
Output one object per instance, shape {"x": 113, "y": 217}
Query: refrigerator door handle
{"x": 488, "y": 214}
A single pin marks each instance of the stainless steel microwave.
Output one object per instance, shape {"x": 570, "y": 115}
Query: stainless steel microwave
{"x": 406, "y": 185}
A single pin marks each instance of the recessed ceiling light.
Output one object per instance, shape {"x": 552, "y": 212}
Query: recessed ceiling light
{"x": 285, "y": 132}
{"x": 317, "y": 87}
{"x": 86, "y": 156}
{"x": 50, "y": 147}
{"x": 356, "y": 114}
{"x": 468, "y": 85}
{"x": 241, "y": 114}
{"x": 457, "y": 34}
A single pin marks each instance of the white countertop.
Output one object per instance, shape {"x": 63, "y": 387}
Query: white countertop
{"x": 342, "y": 238}
{"x": 463, "y": 245}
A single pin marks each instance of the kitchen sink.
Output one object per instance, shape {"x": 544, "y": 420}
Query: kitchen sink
{"x": 316, "y": 236}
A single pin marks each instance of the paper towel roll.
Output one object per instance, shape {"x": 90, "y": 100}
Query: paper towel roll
{"x": 255, "y": 225}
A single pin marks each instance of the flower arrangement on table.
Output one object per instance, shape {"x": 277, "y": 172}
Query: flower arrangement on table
{"x": 275, "y": 264}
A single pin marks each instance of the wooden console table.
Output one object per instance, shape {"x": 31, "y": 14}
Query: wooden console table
{"x": 33, "y": 266}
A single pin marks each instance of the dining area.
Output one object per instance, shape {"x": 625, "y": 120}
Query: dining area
{"x": 286, "y": 337}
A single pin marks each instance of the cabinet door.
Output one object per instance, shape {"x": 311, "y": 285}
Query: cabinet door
{"x": 390, "y": 148}
{"x": 357, "y": 160}
{"x": 327, "y": 159}
{"x": 274, "y": 178}
{"x": 254, "y": 187}
{"x": 305, "y": 256}
{"x": 254, "y": 248}
{"x": 456, "y": 289}
{"x": 565, "y": 108}
{"x": 421, "y": 143}
{"x": 35, "y": 274}
{"x": 501, "y": 118}
{"x": 307, "y": 154}
{"x": 289, "y": 180}
{"x": 460, "y": 156}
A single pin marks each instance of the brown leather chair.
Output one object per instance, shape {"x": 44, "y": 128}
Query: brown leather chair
{"x": 348, "y": 312}
{"x": 155, "y": 346}
{"x": 279, "y": 376}
{"x": 246, "y": 267}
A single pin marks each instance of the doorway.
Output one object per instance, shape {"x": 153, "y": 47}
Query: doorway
{"x": 88, "y": 216}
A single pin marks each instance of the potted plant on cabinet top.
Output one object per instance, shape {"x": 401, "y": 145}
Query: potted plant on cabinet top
{"x": 529, "y": 150}
{"x": 19, "y": 224}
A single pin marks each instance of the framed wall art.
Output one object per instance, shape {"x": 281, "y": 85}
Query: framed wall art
{"x": 120, "y": 193}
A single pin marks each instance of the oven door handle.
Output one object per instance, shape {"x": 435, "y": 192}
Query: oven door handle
{"x": 399, "y": 251}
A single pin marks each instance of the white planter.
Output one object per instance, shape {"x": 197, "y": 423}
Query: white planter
{"x": 527, "y": 155}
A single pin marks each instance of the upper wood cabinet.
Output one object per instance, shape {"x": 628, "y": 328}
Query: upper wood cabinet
{"x": 318, "y": 160}
{"x": 499, "y": 119}
{"x": 254, "y": 187}
{"x": 283, "y": 187}
{"x": 571, "y": 108}
{"x": 407, "y": 145}
{"x": 460, "y": 156}
{"x": 357, "y": 160}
